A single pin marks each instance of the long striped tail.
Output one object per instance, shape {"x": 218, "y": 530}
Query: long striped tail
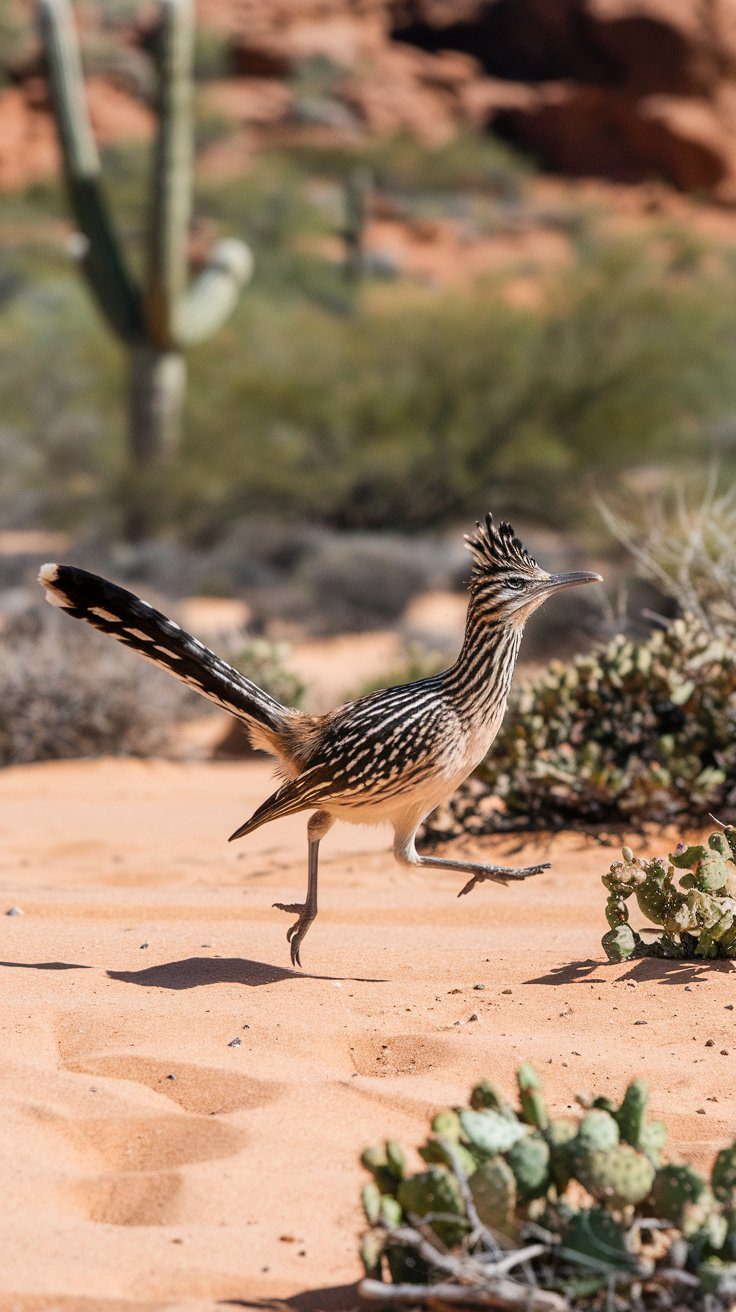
{"x": 163, "y": 642}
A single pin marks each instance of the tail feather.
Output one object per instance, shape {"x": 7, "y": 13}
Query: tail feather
{"x": 163, "y": 642}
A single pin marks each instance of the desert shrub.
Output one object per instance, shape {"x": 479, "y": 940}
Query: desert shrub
{"x": 414, "y": 410}
{"x": 66, "y": 691}
{"x": 406, "y": 407}
{"x": 686, "y": 547}
{"x": 364, "y": 582}
{"x": 633, "y": 732}
{"x": 212, "y": 54}
{"x": 16, "y": 39}
{"x": 266, "y": 664}
{"x": 698, "y": 915}
{"x": 344, "y": 581}
{"x": 585, "y": 1207}
{"x": 472, "y": 162}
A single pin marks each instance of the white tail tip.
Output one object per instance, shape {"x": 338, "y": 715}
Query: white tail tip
{"x": 47, "y": 576}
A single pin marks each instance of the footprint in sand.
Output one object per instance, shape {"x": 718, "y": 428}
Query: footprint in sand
{"x": 135, "y": 1163}
{"x": 150, "y": 1143}
{"x": 141, "y": 1160}
{"x": 399, "y": 1054}
{"x": 146, "y": 1198}
{"x": 207, "y": 1090}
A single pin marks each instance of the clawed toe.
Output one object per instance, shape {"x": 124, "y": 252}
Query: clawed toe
{"x": 502, "y": 875}
{"x": 295, "y": 933}
{"x": 526, "y": 871}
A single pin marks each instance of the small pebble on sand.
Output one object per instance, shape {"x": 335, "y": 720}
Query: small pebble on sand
{"x": 14, "y": 911}
{"x": 234, "y": 1043}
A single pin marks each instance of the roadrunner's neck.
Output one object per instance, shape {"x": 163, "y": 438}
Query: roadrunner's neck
{"x": 479, "y": 681}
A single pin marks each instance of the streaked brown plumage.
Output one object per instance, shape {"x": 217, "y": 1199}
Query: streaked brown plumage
{"x": 391, "y": 756}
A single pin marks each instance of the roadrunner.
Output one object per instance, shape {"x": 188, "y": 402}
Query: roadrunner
{"x": 392, "y": 755}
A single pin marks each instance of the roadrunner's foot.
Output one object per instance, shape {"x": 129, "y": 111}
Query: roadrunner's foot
{"x": 296, "y": 932}
{"x": 501, "y": 875}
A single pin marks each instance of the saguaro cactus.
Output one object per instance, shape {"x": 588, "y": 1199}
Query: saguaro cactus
{"x": 357, "y": 196}
{"x": 166, "y": 313}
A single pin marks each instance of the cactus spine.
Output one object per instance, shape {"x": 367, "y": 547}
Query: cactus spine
{"x": 158, "y": 319}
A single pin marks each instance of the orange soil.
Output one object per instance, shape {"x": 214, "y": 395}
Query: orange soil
{"x": 147, "y": 945}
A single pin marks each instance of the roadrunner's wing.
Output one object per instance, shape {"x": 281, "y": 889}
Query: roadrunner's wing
{"x": 311, "y": 788}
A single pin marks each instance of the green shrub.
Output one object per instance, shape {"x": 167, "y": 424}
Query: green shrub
{"x": 586, "y": 1202}
{"x": 265, "y": 663}
{"x": 404, "y": 407}
{"x": 697, "y": 914}
{"x": 634, "y": 732}
{"x": 474, "y": 162}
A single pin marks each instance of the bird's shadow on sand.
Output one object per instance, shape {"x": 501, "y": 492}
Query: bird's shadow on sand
{"x": 45, "y": 965}
{"x": 338, "y": 1298}
{"x": 643, "y": 970}
{"x": 196, "y": 972}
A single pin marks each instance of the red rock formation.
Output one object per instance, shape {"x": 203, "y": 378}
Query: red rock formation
{"x": 623, "y": 89}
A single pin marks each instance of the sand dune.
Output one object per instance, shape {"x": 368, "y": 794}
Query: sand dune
{"x": 182, "y": 1112}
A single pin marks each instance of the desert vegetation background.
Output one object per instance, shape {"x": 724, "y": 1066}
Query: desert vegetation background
{"x": 494, "y": 267}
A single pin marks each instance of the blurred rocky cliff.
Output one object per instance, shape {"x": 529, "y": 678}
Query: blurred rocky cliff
{"x": 627, "y": 90}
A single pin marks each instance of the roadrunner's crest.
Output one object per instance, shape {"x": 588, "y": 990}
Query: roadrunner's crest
{"x": 497, "y": 548}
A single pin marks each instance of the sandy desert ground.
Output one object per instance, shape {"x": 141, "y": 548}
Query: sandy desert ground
{"x": 182, "y": 1112}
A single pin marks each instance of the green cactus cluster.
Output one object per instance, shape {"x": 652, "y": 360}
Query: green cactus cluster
{"x": 595, "y": 1182}
{"x": 633, "y": 731}
{"x": 696, "y": 910}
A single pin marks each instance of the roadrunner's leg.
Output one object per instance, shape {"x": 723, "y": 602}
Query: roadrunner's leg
{"x": 318, "y": 825}
{"x": 406, "y": 852}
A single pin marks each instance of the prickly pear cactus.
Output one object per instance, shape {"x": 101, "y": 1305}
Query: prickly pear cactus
{"x": 594, "y": 1182}
{"x": 634, "y": 731}
{"x": 493, "y": 1187}
{"x": 631, "y": 1115}
{"x": 434, "y": 1194}
{"x": 529, "y": 1160}
{"x": 723, "y": 1178}
{"x": 675, "y": 1188}
{"x": 532, "y": 1102}
{"x": 616, "y": 1176}
{"x": 489, "y": 1132}
{"x": 695, "y": 910}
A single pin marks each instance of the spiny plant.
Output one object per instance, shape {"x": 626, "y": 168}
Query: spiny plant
{"x": 697, "y": 910}
{"x": 157, "y": 319}
{"x": 637, "y": 731}
{"x": 687, "y": 548}
{"x": 585, "y": 1206}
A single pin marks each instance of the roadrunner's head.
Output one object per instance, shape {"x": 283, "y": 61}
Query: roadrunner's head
{"x": 507, "y": 584}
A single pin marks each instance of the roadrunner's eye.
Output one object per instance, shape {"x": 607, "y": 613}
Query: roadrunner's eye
{"x": 516, "y": 585}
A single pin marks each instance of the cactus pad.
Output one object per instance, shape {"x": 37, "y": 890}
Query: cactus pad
{"x": 493, "y": 1187}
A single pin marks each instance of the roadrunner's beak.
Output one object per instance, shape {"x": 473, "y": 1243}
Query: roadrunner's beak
{"x": 558, "y": 581}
